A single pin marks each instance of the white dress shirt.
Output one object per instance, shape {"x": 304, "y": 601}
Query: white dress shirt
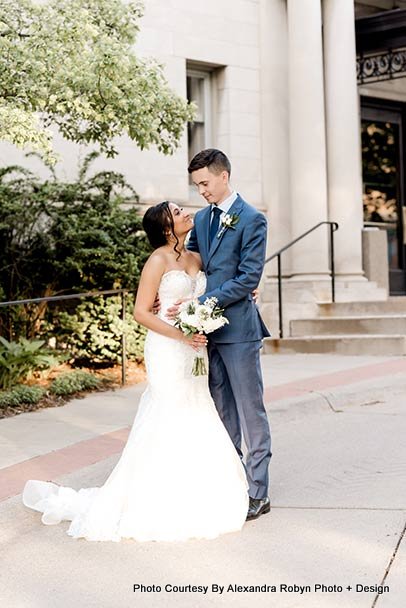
{"x": 225, "y": 205}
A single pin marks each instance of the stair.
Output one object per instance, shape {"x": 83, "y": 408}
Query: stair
{"x": 391, "y": 306}
{"x": 348, "y": 328}
{"x": 388, "y": 324}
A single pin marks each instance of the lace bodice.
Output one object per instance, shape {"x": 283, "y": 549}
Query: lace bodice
{"x": 178, "y": 284}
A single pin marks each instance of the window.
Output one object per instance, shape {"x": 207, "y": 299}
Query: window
{"x": 199, "y": 90}
{"x": 383, "y": 130}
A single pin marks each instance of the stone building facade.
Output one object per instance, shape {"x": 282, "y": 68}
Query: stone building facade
{"x": 277, "y": 89}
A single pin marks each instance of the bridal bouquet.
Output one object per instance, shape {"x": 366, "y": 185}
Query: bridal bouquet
{"x": 194, "y": 318}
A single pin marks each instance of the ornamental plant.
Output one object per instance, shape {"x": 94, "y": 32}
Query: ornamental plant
{"x": 74, "y": 382}
{"x": 18, "y": 360}
{"x": 20, "y": 395}
{"x": 91, "y": 335}
{"x": 64, "y": 237}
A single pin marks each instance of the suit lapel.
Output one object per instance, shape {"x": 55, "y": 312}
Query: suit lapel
{"x": 235, "y": 209}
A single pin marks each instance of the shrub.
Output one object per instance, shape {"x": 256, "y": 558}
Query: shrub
{"x": 92, "y": 335}
{"x": 18, "y": 360}
{"x": 63, "y": 237}
{"x": 73, "y": 382}
{"x": 20, "y": 395}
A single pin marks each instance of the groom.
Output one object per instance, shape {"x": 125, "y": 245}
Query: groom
{"x": 230, "y": 236}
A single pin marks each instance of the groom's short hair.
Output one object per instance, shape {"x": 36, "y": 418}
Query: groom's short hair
{"x": 215, "y": 160}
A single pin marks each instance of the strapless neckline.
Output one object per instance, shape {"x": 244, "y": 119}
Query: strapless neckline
{"x": 193, "y": 278}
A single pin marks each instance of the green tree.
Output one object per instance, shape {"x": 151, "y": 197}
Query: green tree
{"x": 72, "y": 63}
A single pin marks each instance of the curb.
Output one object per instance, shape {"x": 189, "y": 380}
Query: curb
{"x": 334, "y": 399}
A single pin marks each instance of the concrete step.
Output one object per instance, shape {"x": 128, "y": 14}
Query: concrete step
{"x": 348, "y": 344}
{"x": 391, "y": 306}
{"x": 387, "y": 325}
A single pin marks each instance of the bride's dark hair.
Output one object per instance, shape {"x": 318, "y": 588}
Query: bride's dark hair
{"x": 157, "y": 223}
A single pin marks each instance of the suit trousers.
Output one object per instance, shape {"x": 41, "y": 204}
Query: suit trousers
{"x": 235, "y": 381}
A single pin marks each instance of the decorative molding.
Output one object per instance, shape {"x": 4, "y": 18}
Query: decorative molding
{"x": 381, "y": 66}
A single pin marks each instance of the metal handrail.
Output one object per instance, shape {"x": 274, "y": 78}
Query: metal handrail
{"x": 70, "y": 296}
{"x": 89, "y": 294}
{"x": 333, "y": 227}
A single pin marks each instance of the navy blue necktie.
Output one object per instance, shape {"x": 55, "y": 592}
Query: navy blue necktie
{"x": 214, "y": 226}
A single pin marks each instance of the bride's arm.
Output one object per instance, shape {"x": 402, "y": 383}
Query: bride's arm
{"x": 147, "y": 289}
{"x": 149, "y": 283}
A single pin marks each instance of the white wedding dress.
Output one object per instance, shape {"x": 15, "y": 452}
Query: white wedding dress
{"x": 179, "y": 476}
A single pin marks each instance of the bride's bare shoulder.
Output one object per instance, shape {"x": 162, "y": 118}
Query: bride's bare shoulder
{"x": 156, "y": 262}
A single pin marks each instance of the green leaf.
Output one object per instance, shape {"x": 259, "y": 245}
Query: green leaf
{"x": 72, "y": 63}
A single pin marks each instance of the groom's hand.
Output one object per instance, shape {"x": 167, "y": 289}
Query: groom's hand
{"x": 255, "y": 295}
{"x": 156, "y": 307}
{"x": 173, "y": 310}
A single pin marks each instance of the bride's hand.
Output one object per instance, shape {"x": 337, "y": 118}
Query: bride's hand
{"x": 196, "y": 341}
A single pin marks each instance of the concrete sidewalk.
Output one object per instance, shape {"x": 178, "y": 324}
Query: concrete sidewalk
{"x": 338, "y": 501}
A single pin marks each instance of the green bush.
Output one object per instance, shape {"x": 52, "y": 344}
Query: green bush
{"x": 18, "y": 360}
{"x": 92, "y": 335}
{"x": 20, "y": 395}
{"x": 64, "y": 237}
{"x": 73, "y": 382}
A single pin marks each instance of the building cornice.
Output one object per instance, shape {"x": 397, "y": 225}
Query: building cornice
{"x": 381, "y": 32}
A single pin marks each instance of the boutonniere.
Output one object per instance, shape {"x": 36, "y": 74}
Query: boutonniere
{"x": 228, "y": 221}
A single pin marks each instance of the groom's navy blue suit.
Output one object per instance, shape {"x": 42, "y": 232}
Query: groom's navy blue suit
{"x": 233, "y": 264}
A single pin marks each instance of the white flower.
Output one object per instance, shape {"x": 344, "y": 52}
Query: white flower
{"x": 203, "y": 311}
{"x": 194, "y": 317}
{"x": 211, "y": 302}
{"x": 213, "y": 324}
{"x": 226, "y": 220}
{"x": 189, "y": 319}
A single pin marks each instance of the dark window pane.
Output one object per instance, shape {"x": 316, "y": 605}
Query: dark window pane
{"x": 380, "y": 167}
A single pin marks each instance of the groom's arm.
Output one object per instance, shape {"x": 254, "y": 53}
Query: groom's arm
{"x": 250, "y": 268}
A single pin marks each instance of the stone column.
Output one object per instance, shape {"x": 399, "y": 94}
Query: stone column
{"x": 343, "y": 134}
{"x": 308, "y": 174}
{"x": 275, "y": 126}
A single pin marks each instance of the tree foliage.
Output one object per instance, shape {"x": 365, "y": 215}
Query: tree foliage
{"x": 72, "y": 63}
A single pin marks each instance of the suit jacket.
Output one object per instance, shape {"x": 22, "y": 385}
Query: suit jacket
{"x": 233, "y": 265}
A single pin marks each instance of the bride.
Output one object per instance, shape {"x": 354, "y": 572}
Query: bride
{"x": 179, "y": 475}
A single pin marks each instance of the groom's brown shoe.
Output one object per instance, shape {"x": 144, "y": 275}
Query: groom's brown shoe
{"x": 257, "y": 507}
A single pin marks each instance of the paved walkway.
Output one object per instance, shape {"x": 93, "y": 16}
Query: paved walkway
{"x": 338, "y": 501}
